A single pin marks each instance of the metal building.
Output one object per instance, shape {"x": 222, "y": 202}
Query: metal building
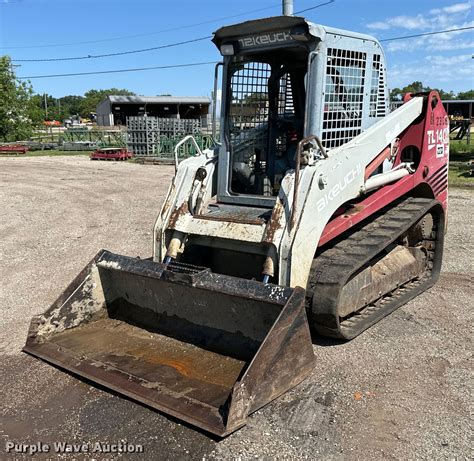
{"x": 460, "y": 108}
{"x": 114, "y": 110}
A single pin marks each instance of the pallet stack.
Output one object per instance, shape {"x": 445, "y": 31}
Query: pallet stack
{"x": 151, "y": 136}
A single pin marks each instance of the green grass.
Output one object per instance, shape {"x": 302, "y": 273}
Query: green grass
{"x": 460, "y": 153}
{"x": 460, "y": 150}
{"x": 54, "y": 153}
{"x": 458, "y": 175}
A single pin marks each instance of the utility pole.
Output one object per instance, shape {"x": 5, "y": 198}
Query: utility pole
{"x": 45, "y": 105}
{"x": 288, "y": 7}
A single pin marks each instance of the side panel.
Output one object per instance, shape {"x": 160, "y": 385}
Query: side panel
{"x": 430, "y": 136}
{"x": 328, "y": 185}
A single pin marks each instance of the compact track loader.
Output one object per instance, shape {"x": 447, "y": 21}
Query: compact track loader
{"x": 320, "y": 211}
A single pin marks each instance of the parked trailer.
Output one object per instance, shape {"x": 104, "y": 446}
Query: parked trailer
{"x": 111, "y": 153}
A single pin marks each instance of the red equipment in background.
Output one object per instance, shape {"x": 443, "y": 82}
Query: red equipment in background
{"x": 111, "y": 153}
{"x": 13, "y": 149}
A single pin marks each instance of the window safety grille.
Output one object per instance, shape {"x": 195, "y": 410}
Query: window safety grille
{"x": 374, "y": 85}
{"x": 381, "y": 98}
{"x": 285, "y": 100}
{"x": 377, "y": 89}
{"x": 249, "y": 110}
{"x": 286, "y": 109}
{"x": 344, "y": 96}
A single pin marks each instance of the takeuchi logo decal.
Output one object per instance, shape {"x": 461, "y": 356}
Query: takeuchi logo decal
{"x": 266, "y": 39}
{"x": 339, "y": 187}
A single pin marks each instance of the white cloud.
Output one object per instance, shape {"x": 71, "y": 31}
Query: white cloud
{"x": 443, "y": 62}
{"x": 404, "y": 45}
{"x": 454, "y": 16}
{"x": 448, "y": 61}
{"x": 403, "y": 22}
{"x": 428, "y": 71}
{"x": 452, "y": 9}
{"x": 452, "y": 45}
{"x": 378, "y": 25}
{"x": 436, "y": 19}
{"x": 409, "y": 22}
{"x": 451, "y": 41}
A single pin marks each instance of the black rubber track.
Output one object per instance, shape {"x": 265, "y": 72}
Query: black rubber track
{"x": 333, "y": 268}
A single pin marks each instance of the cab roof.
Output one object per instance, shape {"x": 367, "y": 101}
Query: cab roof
{"x": 276, "y": 23}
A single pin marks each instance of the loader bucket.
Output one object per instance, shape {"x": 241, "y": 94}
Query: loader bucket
{"x": 205, "y": 348}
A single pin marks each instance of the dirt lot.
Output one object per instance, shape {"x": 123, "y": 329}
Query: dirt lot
{"x": 401, "y": 390}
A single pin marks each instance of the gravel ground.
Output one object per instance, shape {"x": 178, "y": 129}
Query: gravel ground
{"x": 400, "y": 390}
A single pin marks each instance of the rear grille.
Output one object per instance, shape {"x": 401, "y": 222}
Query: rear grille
{"x": 439, "y": 180}
{"x": 344, "y": 95}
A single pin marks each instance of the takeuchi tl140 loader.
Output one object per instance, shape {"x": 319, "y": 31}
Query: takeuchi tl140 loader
{"x": 319, "y": 212}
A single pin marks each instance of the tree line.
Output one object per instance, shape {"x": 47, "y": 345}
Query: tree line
{"x": 22, "y": 111}
{"x": 74, "y": 105}
{"x": 396, "y": 94}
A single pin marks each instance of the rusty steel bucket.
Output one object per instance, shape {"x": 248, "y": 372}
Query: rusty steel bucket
{"x": 205, "y": 348}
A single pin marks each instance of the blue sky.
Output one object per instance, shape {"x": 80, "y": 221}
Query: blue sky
{"x": 30, "y": 28}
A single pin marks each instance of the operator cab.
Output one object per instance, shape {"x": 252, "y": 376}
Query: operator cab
{"x": 284, "y": 79}
{"x": 263, "y": 102}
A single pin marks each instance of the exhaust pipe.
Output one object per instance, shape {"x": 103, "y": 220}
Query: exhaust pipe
{"x": 288, "y": 7}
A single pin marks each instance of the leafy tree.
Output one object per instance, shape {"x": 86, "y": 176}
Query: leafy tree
{"x": 58, "y": 108}
{"x": 445, "y": 95}
{"x": 465, "y": 95}
{"x": 70, "y": 105}
{"x": 416, "y": 87}
{"x": 396, "y": 94}
{"x": 19, "y": 114}
{"x": 254, "y": 99}
{"x": 93, "y": 97}
{"x": 48, "y": 106}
